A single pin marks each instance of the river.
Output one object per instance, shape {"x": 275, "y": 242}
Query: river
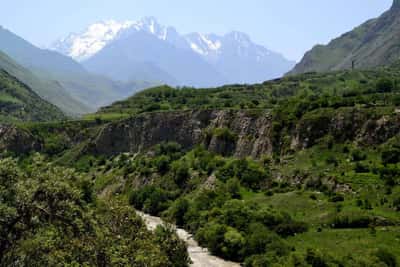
{"x": 200, "y": 256}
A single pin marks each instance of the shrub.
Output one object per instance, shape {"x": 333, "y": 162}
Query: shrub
{"x": 173, "y": 245}
{"x": 150, "y": 199}
{"x": 180, "y": 170}
{"x": 315, "y": 259}
{"x": 233, "y": 188}
{"x": 249, "y": 173}
{"x": 162, "y": 164}
{"x": 337, "y": 198}
{"x": 331, "y": 160}
{"x": 212, "y": 236}
{"x": 396, "y": 203}
{"x": 384, "y": 85}
{"x": 261, "y": 260}
{"x": 152, "y": 107}
{"x": 386, "y": 257}
{"x": 236, "y": 213}
{"x": 291, "y": 228}
{"x": 352, "y": 221}
{"x": 361, "y": 168}
{"x": 391, "y": 156}
{"x": 234, "y": 244}
{"x": 178, "y": 211}
{"x": 358, "y": 155}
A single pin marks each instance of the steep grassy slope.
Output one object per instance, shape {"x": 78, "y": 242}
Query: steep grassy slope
{"x": 372, "y": 44}
{"x": 51, "y": 91}
{"x": 94, "y": 91}
{"x": 19, "y": 103}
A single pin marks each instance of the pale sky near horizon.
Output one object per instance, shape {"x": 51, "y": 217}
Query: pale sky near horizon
{"x": 290, "y": 27}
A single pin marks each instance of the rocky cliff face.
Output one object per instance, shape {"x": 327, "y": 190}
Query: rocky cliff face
{"x": 16, "y": 140}
{"x": 354, "y": 125}
{"x": 240, "y": 133}
{"x": 236, "y": 133}
{"x": 249, "y": 132}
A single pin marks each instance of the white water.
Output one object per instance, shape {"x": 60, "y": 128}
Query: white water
{"x": 199, "y": 256}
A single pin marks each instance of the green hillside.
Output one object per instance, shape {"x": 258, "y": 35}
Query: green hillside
{"x": 49, "y": 90}
{"x": 374, "y": 43}
{"x": 335, "y": 89}
{"x": 19, "y": 103}
{"x": 94, "y": 91}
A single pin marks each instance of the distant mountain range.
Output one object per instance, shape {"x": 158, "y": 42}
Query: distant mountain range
{"x": 58, "y": 78}
{"x": 147, "y": 50}
{"x": 374, "y": 43}
{"x": 47, "y": 89}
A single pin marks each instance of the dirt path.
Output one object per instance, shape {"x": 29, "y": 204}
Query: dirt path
{"x": 199, "y": 256}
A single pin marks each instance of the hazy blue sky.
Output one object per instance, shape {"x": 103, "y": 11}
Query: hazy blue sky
{"x": 288, "y": 26}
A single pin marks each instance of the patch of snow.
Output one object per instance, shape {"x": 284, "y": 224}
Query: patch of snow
{"x": 197, "y": 49}
{"x": 92, "y": 40}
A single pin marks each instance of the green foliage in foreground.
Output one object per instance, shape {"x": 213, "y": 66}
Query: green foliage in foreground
{"x": 49, "y": 216}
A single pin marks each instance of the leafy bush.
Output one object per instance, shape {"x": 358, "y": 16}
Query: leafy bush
{"x": 358, "y": 155}
{"x": 391, "y": 156}
{"x": 175, "y": 247}
{"x": 352, "y": 221}
{"x": 249, "y": 173}
{"x": 171, "y": 149}
{"x": 361, "y": 168}
{"x": 212, "y": 236}
{"x": 50, "y": 216}
{"x": 337, "y": 198}
{"x": 162, "y": 164}
{"x": 291, "y": 228}
{"x": 178, "y": 211}
{"x": 386, "y": 257}
{"x": 384, "y": 85}
{"x": 180, "y": 170}
{"x": 150, "y": 199}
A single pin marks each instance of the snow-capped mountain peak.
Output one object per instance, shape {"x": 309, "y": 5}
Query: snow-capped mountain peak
{"x": 96, "y": 36}
{"x": 204, "y": 44}
{"x": 232, "y": 57}
{"x": 92, "y": 40}
{"x": 151, "y": 25}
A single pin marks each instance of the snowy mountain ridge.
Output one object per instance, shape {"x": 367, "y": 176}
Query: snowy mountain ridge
{"x": 233, "y": 55}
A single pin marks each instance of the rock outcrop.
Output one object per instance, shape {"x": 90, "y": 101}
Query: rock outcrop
{"x": 17, "y": 140}
{"x": 354, "y": 125}
{"x": 241, "y": 133}
{"x": 188, "y": 128}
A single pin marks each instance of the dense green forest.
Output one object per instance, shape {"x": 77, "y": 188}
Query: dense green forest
{"x": 327, "y": 194}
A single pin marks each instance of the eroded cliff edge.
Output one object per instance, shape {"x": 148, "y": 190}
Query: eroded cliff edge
{"x": 242, "y": 133}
